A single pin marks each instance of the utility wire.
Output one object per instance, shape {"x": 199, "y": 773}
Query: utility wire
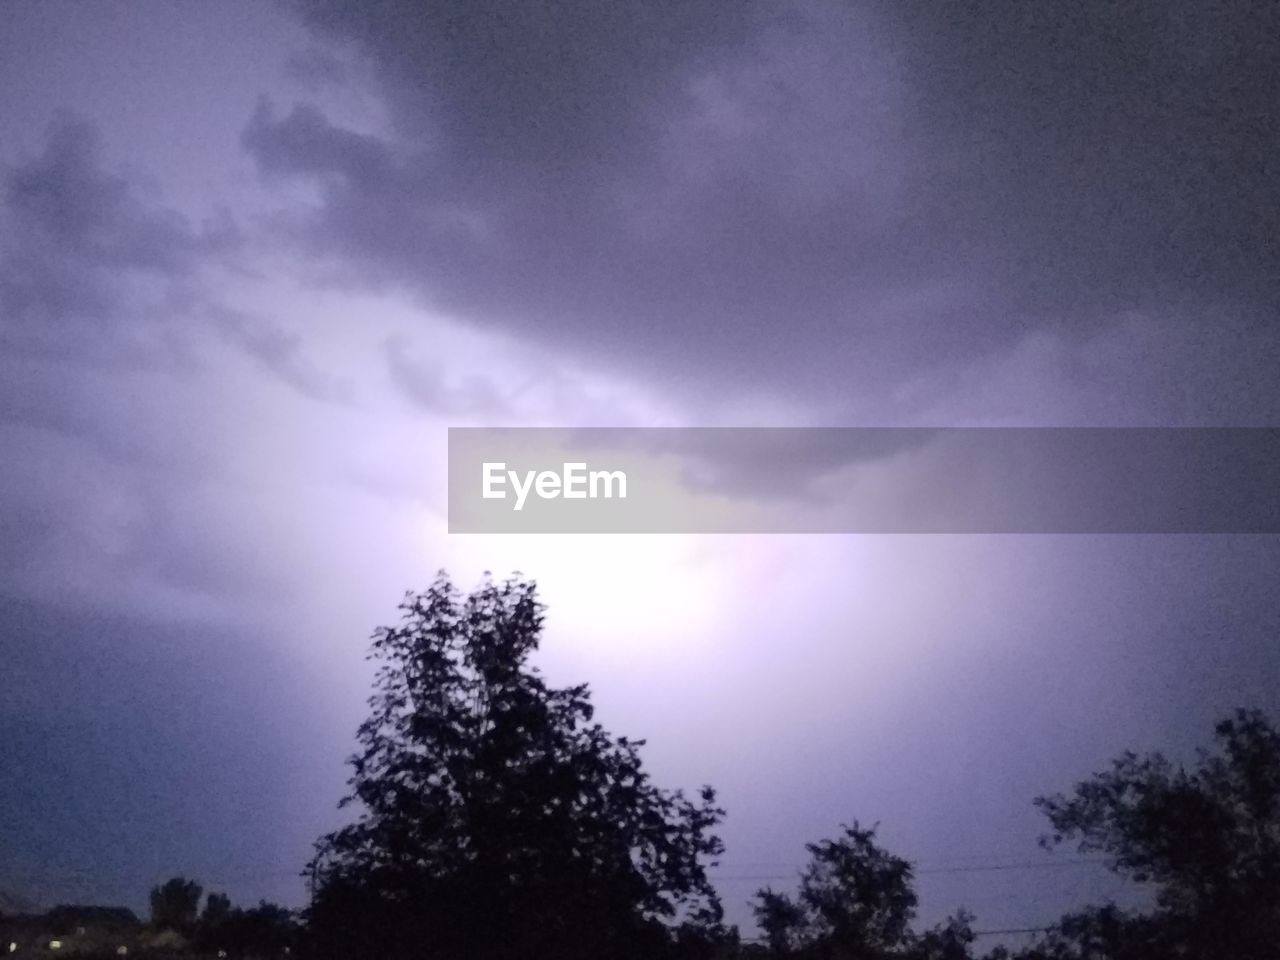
{"x": 215, "y": 876}
{"x": 973, "y": 868}
{"x": 977, "y": 933}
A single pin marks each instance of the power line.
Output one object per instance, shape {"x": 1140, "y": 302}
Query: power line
{"x": 216, "y": 875}
{"x": 977, "y": 933}
{"x": 995, "y": 933}
{"x": 1025, "y": 865}
{"x": 973, "y": 868}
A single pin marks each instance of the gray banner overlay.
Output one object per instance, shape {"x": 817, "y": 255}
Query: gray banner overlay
{"x": 865, "y": 480}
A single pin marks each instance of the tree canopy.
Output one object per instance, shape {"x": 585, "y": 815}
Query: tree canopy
{"x": 1206, "y": 839}
{"x": 496, "y": 819}
{"x": 175, "y": 904}
{"x": 856, "y": 900}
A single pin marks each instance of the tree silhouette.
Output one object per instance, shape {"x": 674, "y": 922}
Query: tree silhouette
{"x": 782, "y": 920}
{"x": 498, "y": 821}
{"x": 952, "y": 940}
{"x": 266, "y": 930}
{"x": 211, "y": 927}
{"x": 856, "y": 900}
{"x": 175, "y": 904}
{"x": 261, "y": 931}
{"x": 1207, "y": 840}
{"x": 217, "y": 907}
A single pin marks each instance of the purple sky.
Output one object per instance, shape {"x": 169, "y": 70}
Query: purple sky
{"x": 255, "y": 259}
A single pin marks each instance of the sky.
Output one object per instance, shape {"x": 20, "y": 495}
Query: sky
{"x": 256, "y": 258}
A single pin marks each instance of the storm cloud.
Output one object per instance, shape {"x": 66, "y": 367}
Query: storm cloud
{"x": 821, "y": 195}
{"x": 256, "y": 258}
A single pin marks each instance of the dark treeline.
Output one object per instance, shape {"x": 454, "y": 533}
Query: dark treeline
{"x": 178, "y": 927}
{"x": 493, "y": 819}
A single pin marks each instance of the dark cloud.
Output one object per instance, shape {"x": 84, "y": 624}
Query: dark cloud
{"x": 282, "y": 353}
{"x": 84, "y": 254}
{"x": 110, "y": 319}
{"x": 427, "y": 387}
{"x": 304, "y": 142}
{"x": 1123, "y": 145}
{"x": 542, "y": 87}
{"x": 63, "y": 197}
{"x": 92, "y": 271}
{"x": 819, "y": 198}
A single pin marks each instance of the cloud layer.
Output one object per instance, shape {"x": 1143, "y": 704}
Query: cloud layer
{"x": 815, "y": 197}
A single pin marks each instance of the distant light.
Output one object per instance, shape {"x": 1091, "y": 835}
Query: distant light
{"x": 13, "y": 947}
{"x": 222, "y": 953}
{"x": 122, "y": 951}
{"x": 55, "y": 944}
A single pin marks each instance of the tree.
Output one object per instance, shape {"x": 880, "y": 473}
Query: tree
{"x": 782, "y": 921}
{"x": 175, "y": 904}
{"x": 496, "y": 819}
{"x": 1206, "y": 839}
{"x": 261, "y": 931}
{"x": 952, "y": 940}
{"x": 217, "y": 907}
{"x": 211, "y": 928}
{"x": 856, "y": 900}
{"x": 1105, "y": 933}
{"x": 266, "y": 930}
